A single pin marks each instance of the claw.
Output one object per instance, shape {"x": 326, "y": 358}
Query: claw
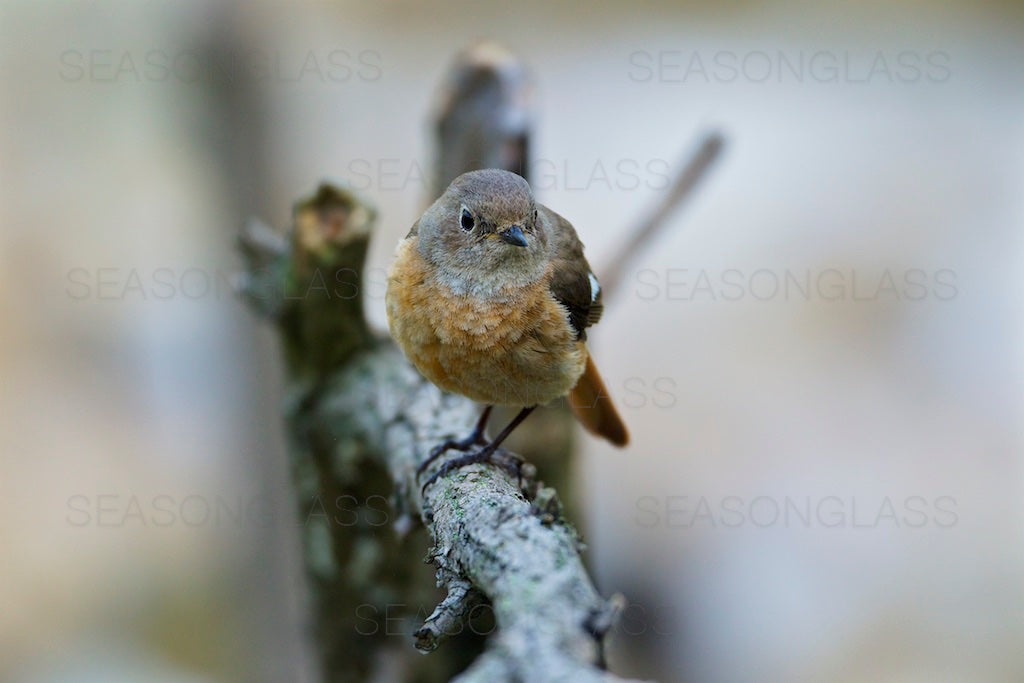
{"x": 483, "y": 455}
{"x": 475, "y": 438}
{"x": 439, "y": 450}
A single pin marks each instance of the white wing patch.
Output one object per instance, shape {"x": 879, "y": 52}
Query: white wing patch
{"x": 595, "y": 288}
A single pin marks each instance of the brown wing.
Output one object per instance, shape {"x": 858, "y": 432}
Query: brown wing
{"x": 573, "y": 284}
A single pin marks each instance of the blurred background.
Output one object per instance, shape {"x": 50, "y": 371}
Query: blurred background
{"x": 819, "y": 359}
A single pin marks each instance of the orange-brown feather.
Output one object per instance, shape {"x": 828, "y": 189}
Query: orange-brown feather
{"x": 516, "y": 348}
{"x": 593, "y": 407}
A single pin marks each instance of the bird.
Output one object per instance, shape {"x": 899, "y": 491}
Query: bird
{"x": 490, "y": 296}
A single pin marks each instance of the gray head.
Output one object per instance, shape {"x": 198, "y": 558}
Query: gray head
{"x": 484, "y": 233}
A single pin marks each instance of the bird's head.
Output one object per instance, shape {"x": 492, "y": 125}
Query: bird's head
{"x": 484, "y": 234}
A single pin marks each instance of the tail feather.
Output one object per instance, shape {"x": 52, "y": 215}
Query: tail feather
{"x": 593, "y": 407}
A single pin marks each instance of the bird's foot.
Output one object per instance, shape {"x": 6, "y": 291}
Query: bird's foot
{"x": 508, "y": 462}
{"x": 474, "y": 439}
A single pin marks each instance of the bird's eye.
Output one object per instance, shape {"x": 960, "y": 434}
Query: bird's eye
{"x": 466, "y": 220}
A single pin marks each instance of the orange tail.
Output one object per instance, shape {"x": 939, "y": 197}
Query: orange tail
{"x": 593, "y": 407}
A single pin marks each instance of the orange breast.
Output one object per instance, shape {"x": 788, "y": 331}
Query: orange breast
{"x": 516, "y": 349}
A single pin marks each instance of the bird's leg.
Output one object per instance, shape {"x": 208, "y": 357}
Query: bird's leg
{"x": 484, "y": 454}
{"x": 475, "y": 438}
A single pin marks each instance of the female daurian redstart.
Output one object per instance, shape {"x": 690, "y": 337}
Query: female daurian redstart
{"x": 490, "y": 297}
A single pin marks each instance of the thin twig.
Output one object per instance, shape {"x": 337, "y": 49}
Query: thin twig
{"x": 695, "y": 170}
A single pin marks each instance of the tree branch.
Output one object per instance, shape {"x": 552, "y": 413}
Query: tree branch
{"x": 448, "y": 618}
{"x": 485, "y": 115}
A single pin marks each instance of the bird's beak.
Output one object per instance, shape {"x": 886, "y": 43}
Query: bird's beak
{"x": 513, "y": 235}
